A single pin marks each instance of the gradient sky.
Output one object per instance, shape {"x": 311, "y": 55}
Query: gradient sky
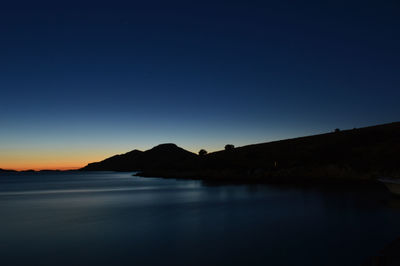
{"x": 81, "y": 81}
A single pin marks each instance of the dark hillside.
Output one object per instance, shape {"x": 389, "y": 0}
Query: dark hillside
{"x": 6, "y": 171}
{"x": 164, "y": 156}
{"x": 356, "y": 153}
{"x": 364, "y": 153}
{"x": 167, "y": 156}
{"x": 121, "y": 162}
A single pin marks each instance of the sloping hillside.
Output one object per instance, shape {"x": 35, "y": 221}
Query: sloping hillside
{"x": 363, "y": 153}
{"x": 356, "y": 153}
{"x": 164, "y": 156}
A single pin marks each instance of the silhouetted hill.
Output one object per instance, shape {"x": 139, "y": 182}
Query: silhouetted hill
{"x": 6, "y": 171}
{"x": 358, "y": 153}
{"x": 122, "y": 162}
{"x": 164, "y": 156}
{"x": 363, "y": 153}
{"x": 167, "y": 156}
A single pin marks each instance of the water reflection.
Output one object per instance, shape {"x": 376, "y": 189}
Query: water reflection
{"x": 117, "y": 219}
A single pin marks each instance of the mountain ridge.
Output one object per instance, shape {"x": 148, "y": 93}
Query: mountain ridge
{"x": 363, "y": 153}
{"x": 165, "y": 155}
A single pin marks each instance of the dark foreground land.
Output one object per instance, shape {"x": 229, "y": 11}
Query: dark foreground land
{"x": 342, "y": 156}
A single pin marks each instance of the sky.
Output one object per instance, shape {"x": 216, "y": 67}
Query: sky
{"x": 81, "y": 81}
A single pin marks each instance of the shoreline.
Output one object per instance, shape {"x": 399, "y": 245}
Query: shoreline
{"x": 226, "y": 177}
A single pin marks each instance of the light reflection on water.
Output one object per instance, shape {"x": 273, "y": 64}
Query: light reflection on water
{"x": 117, "y": 219}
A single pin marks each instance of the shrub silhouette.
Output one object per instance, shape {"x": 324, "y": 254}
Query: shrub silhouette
{"x": 202, "y": 152}
{"x": 229, "y": 147}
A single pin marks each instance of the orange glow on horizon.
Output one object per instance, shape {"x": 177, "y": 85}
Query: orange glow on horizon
{"x": 49, "y": 160}
{"x": 59, "y": 159}
{"x": 20, "y": 166}
{"x": 38, "y": 168}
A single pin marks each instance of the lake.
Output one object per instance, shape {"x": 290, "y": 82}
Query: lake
{"x": 106, "y": 218}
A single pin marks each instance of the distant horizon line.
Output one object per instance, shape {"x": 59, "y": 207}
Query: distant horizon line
{"x": 23, "y": 169}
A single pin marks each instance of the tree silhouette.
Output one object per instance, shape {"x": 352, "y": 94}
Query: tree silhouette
{"x": 202, "y": 152}
{"x": 229, "y": 147}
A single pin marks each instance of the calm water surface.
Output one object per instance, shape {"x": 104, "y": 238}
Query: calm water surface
{"x": 105, "y": 218}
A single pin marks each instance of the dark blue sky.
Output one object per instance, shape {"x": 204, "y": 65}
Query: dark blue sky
{"x": 108, "y": 77}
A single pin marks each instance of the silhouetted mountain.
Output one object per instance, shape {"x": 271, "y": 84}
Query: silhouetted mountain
{"x": 122, "y": 162}
{"x": 362, "y": 153}
{"x": 43, "y": 171}
{"x": 28, "y": 171}
{"x": 164, "y": 156}
{"x": 6, "y": 171}
{"x": 358, "y": 153}
{"x": 167, "y": 156}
